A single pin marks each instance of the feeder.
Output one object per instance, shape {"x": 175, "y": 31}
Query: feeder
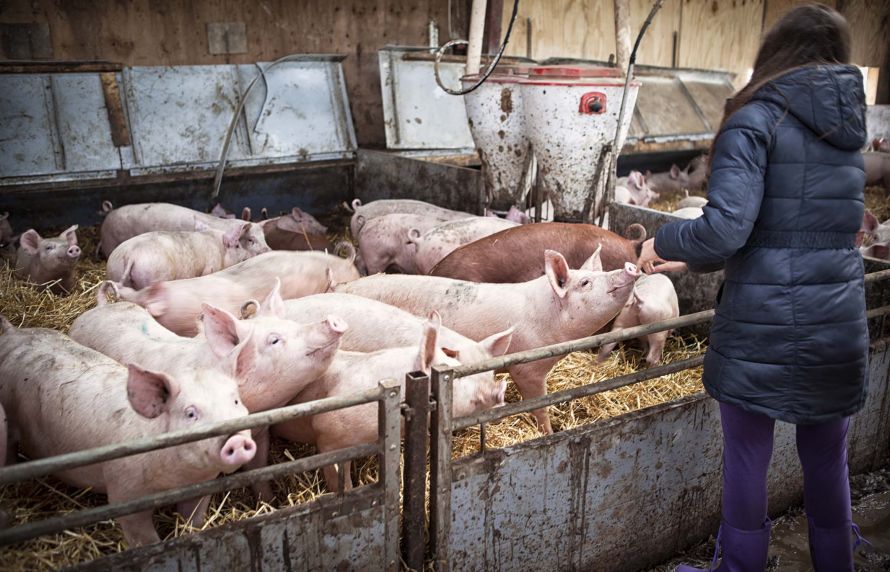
{"x": 497, "y": 124}
{"x": 571, "y": 113}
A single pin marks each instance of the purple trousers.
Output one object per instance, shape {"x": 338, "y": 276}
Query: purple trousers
{"x": 747, "y": 448}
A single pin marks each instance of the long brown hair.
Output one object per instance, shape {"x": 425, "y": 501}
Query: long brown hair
{"x": 811, "y": 34}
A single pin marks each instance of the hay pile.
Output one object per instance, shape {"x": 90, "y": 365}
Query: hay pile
{"x": 43, "y": 498}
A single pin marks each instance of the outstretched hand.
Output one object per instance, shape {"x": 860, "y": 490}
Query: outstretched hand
{"x": 649, "y": 261}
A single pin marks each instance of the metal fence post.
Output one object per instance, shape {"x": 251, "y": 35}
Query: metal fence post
{"x": 440, "y": 465}
{"x": 390, "y": 426}
{"x": 417, "y": 397}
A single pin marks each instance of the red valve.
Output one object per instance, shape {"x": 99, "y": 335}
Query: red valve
{"x": 593, "y": 103}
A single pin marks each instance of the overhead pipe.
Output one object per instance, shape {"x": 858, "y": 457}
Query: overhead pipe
{"x": 477, "y": 28}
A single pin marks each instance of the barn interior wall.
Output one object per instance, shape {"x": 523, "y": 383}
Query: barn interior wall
{"x": 688, "y": 33}
{"x": 175, "y": 32}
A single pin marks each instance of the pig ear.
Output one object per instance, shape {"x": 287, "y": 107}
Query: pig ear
{"x": 288, "y": 223}
{"x": 498, "y": 344}
{"x": 451, "y": 352}
{"x": 223, "y": 332}
{"x": 359, "y": 222}
{"x": 675, "y": 172}
{"x": 427, "y": 347}
{"x": 557, "y": 271}
{"x": 245, "y": 214}
{"x": 273, "y": 305}
{"x": 869, "y": 222}
{"x": 595, "y": 262}
{"x": 70, "y": 234}
{"x": 231, "y": 238}
{"x": 156, "y": 303}
{"x": 296, "y": 212}
{"x": 218, "y": 210}
{"x": 150, "y": 392}
{"x": 264, "y": 213}
{"x": 30, "y": 241}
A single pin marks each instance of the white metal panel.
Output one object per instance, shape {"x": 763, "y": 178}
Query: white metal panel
{"x": 26, "y": 126}
{"x": 84, "y": 129}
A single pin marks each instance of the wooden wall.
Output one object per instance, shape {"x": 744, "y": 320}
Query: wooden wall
{"x": 174, "y": 32}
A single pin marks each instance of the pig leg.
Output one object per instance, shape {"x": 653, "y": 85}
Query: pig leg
{"x": 531, "y": 380}
{"x": 628, "y": 318}
{"x": 656, "y": 343}
{"x": 332, "y": 476}
{"x": 262, "y": 489}
{"x": 194, "y": 511}
{"x": 138, "y": 528}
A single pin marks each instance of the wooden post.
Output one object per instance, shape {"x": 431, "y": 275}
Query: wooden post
{"x": 622, "y": 34}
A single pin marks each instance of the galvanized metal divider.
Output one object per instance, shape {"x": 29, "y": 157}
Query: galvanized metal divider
{"x": 387, "y": 450}
{"x": 442, "y": 425}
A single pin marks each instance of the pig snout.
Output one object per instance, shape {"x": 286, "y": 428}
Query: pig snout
{"x": 623, "y": 278}
{"x": 74, "y": 251}
{"x": 237, "y": 450}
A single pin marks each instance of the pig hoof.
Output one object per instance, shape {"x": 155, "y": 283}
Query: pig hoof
{"x": 263, "y": 492}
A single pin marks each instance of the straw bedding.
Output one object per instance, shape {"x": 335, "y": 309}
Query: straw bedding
{"x": 47, "y": 497}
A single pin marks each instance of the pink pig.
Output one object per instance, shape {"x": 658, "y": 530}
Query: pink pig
{"x": 63, "y": 397}
{"x": 128, "y": 221}
{"x": 440, "y": 241}
{"x": 562, "y": 305}
{"x": 384, "y": 242}
{"x": 48, "y": 260}
{"x": 353, "y": 372}
{"x": 159, "y": 256}
{"x": 364, "y": 213}
{"x": 654, "y": 299}
{"x": 634, "y": 190}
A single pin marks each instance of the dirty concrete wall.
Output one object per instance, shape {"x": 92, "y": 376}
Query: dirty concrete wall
{"x": 183, "y": 32}
{"x": 626, "y": 493}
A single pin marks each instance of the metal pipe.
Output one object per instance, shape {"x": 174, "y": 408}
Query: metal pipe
{"x": 41, "y": 467}
{"x": 417, "y": 396}
{"x": 440, "y": 467}
{"x": 98, "y": 514}
{"x": 527, "y": 405}
{"x": 622, "y": 34}
{"x": 477, "y": 28}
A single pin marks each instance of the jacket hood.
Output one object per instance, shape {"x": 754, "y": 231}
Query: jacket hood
{"x": 829, "y": 100}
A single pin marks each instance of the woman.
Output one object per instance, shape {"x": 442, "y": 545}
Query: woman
{"x": 789, "y": 340}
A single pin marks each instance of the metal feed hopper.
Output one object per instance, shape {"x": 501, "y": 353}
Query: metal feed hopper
{"x": 497, "y": 123}
{"x": 571, "y": 113}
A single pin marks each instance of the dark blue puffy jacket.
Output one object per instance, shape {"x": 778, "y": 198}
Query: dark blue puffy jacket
{"x": 785, "y": 200}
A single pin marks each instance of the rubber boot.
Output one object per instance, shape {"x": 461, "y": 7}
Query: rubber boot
{"x": 831, "y": 549}
{"x": 742, "y": 550}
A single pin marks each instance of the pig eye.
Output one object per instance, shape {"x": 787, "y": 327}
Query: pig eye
{"x": 585, "y": 282}
{"x": 237, "y": 402}
{"x": 274, "y": 339}
{"x": 191, "y": 413}
{"x": 50, "y": 247}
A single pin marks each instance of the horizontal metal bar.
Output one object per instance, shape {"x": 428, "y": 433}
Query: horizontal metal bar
{"x": 98, "y": 514}
{"x": 564, "y": 348}
{"x": 525, "y": 406}
{"x": 41, "y": 467}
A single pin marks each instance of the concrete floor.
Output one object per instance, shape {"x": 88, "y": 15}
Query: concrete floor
{"x": 789, "y": 551}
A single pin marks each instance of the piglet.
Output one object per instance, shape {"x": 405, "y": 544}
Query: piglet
{"x": 654, "y": 299}
{"x": 364, "y": 213}
{"x": 62, "y": 397}
{"x": 159, "y": 256}
{"x": 877, "y": 170}
{"x": 384, "y": 242}
{"x": 440, "y": 241}
{"x": 353, "y": 372}
{"x": 48, "y": 261}
{"x": 634, "y": 190}
{"x": 296, "y": 231}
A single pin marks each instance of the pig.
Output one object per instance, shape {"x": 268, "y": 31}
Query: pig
{"x": 6, "y": 234}
{"x": 880, "y": 250}
{"x": 49, "y": 262}
{"x": 353, "y": 372}
{"x": 881, "y": 144}
{"x": 516, "y": 215}
{"x": 128, "y": 221}
{"x": 514, "y": 255}
{"x": 365, "y": 316}
{"x": 654, "y": 299}
{"x": 271, "y": 358}
{"x": 219, "y": 212}
{"x": 872, "y": 230}
{"x": 634, "y": 190}
{"x": 177, "y": 304}
{"x": 364, "y": 213}
{"x": 877, "y": 170}
{"x": 441, "y": 240}
{"x": 62, "y": 397}
{"x": 159, "y": 256}
{"x": 385, "y": 245}
{"x": 691, "y": 201}
{"x": 689, "y": 212}
{"x": 697, "y": 174}
{"x": 562, "y": 305}
{"x": 296, "y": 231}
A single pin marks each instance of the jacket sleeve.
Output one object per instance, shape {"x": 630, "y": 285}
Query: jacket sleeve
{"x": 735, "y": 191}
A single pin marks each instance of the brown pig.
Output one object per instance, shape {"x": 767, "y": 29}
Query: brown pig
{"x": 516, "y": 254}
{"x": 296, "y": 231}
{"x": 562, "y": 305}
{"x": 48, "y": 260}
{"x": 62, "y": 397}
{"x": 159, "y": 256}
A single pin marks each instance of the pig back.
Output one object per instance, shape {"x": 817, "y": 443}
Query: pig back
{"x": 517, "y": 254}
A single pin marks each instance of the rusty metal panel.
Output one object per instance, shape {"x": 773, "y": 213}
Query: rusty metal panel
{"x": 626, "y": 493}
{"x": 300, "y": 111}
{"x": 179, "y": 115}
{"x": 417, "y": 114}
{"x": 27, "y": 127}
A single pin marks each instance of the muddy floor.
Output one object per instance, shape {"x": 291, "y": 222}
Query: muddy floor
{"x": 789, "y": 551}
